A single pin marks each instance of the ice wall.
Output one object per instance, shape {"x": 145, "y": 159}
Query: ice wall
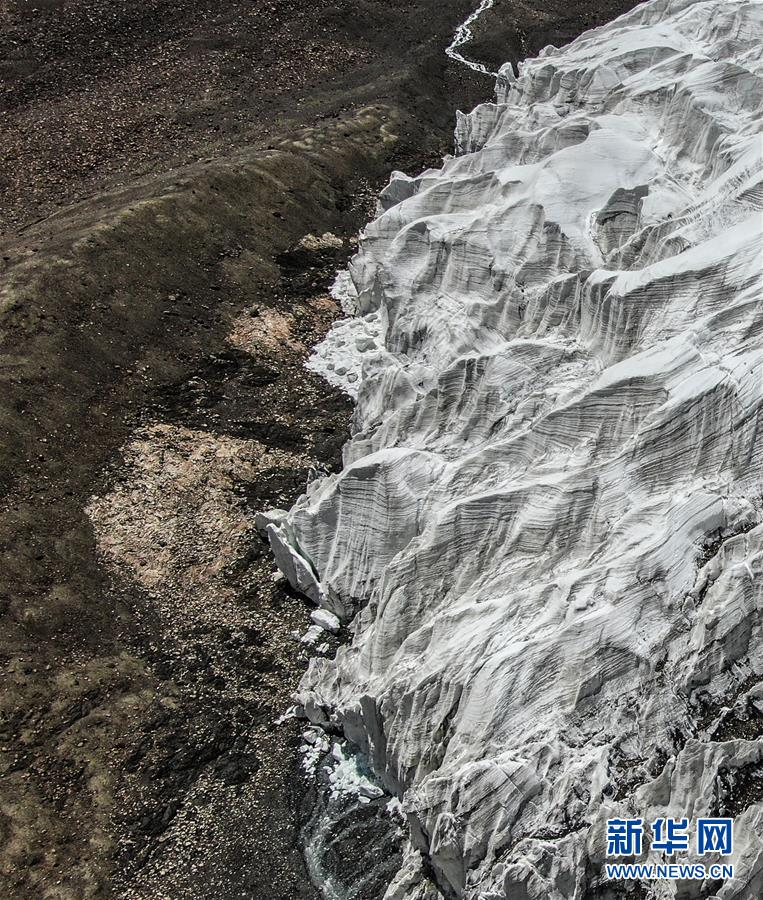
{"x": 547, "y": 534}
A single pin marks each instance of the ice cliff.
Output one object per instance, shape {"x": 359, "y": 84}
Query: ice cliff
{"x": 546, "y": 539}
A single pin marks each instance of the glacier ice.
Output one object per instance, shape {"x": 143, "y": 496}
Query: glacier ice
{"x": 547, "y": 537}
{"x": 325, "y": 620}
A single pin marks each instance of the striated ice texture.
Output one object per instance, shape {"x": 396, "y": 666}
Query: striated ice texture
{"x": 547, "y": 539}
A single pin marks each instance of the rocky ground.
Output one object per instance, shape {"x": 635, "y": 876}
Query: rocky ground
{"x": 162, "y": 166}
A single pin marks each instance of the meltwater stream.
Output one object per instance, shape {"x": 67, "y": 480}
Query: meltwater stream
{"x": 353, "y": 843}
{"x": 463, "y": 35}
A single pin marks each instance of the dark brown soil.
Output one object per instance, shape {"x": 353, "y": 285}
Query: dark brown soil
{"x": 98, "y": 92}
{"x": 161, "y": 164}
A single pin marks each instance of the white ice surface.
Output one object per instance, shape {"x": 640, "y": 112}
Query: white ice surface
{"x": 559, "y": 383}
{"x": 325, "y": 620}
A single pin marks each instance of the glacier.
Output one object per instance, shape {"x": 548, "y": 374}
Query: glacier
{"x": 547, "y": 537}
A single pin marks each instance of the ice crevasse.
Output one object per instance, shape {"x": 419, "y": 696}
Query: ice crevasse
{"x": 547, "y": 536}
